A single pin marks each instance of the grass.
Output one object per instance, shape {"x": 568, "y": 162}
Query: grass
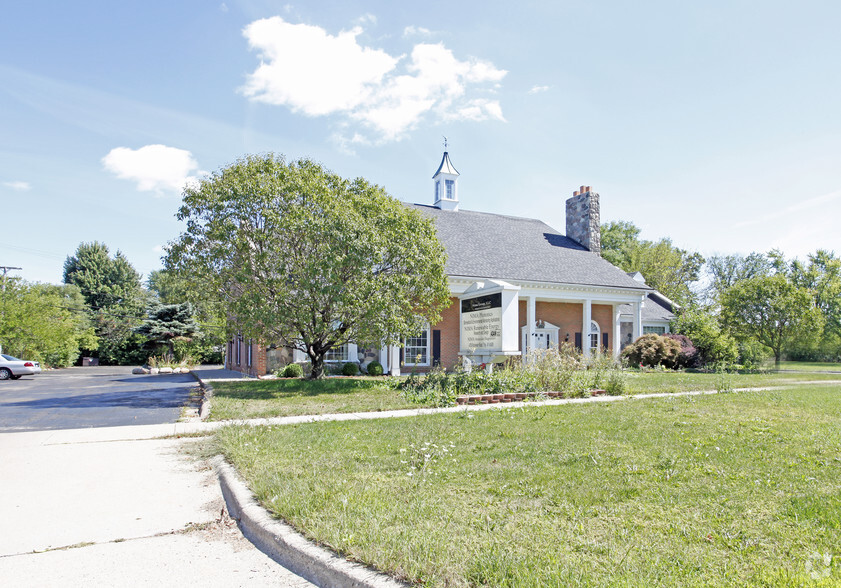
{"x": 810, "y": 366}
{"x": 292, "y": 397}
{"x": 726, "y": 490}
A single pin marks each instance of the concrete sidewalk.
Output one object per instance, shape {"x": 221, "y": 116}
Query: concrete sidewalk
{"x": 116, "y": 507}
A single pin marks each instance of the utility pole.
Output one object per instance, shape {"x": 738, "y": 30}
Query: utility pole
{"x": 5, "y": 269}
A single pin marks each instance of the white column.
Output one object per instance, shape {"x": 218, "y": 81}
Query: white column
{"x": 531, "y": 319}
{"x": 585, "y": 331}
{"x": 617, "y": 330}
{"x": 394, "y": 360}
{"x": 383, "y": 359}
{"x": 637, "y": 318}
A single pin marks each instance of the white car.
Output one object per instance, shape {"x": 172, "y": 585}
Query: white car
{"x": 11, "y": 368}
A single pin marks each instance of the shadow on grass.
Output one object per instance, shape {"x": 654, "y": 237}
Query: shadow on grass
{"x": 296, "y": 388}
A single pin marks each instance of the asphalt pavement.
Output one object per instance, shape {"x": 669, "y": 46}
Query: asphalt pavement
{"x": 80, "y": 397}
{"x": 104, "y": 505}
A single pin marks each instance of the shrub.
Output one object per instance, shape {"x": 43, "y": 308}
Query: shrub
{"x": 375, "y": 368}
{"x": 652, "y": 350}
{"x": 350, "y": 369}
{"x": 752, "y": 354}
{"x": 617, "y": 382}
{"x": 689, "y": 357}
{"x": 293, "y": 370}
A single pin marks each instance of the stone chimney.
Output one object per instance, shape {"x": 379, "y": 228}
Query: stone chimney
{"x": 583, "y": 224}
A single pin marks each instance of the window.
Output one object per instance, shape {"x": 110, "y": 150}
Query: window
{"x": 248, "y": 353}
{"x": 416, "y": 349}
{"x": 655, "y": 330}
{"x": 438, "y": 190}
{"x": 595, "y": 332}
{"x": 239, "y": 349}
{"x": 451, "y": 188}
{"x": 338, "y": 353}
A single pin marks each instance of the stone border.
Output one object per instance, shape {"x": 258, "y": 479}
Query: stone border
{"x": 288, "y": 547}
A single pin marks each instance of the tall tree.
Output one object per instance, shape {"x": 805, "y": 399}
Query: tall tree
{"x": 725, "y": 271}
{"x": 667, "y": 268}
{"x": 773, "y": 310}
{"x": 297, "y": 254}
{"x": 115, "y": 299}
{"x": 103, "y": 281}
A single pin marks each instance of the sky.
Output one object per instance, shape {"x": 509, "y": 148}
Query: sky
{"x": 716, "y": 124}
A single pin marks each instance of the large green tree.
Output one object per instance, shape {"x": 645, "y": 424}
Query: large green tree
{"x": 44, "y": 322}
{"x": 773, "y": 310}
{"x": 297, "y": 254}
{"x": 115, "y": 299}
{"x": 668, "y": 269}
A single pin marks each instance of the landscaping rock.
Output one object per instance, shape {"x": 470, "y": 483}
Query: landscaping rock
{"x": 153, "y": 370}
{"x": 165, "y": 370}
{"x": 140, "y": 370}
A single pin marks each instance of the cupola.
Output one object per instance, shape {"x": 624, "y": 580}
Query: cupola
{"x": 446, "y": 184}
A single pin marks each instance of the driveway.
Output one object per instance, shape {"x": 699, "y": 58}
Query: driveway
{"x": 82, "y": 397}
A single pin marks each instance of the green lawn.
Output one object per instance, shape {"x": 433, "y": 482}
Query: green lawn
{"x": 810, "y": 366}
{"x": 727, "y": 490}
{"x": 291, "y": 397}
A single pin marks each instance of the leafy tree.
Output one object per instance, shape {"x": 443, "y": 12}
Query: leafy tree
{"x": 115, "y": 299}
{"x": 168, "y": 323}
{"x": 714, "y": 345}
{"x": 773, "y": 310}
{"x": 666, "y": 268}
{"x": 821, "y": 275}
{"x": 725, "y": 271}
{"x": 44, "y": 322}
{"x": 297, "y": 254}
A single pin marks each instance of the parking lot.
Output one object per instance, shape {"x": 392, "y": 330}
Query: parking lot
{"x": 81, "y": 397}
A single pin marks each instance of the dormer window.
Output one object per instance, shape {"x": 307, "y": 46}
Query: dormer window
{"x": 451, "y": 186}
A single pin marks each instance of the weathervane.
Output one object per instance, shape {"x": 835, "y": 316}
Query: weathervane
{"x": 445, "y": 143}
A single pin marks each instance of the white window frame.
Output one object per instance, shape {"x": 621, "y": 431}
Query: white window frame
{"x": 428, "y": 349}
{"x": 451, "y": 189}
{"x": 350, "y": 353}
{"x": 596, "y": 330}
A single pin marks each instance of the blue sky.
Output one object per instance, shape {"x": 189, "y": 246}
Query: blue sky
{"x": 716, "y": 124}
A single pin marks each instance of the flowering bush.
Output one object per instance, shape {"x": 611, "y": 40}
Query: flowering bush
{"x": 652, "y": 350}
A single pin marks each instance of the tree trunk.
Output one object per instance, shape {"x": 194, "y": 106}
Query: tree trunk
{"x": 317, "y": 360}
{"x": 777, "y": 357}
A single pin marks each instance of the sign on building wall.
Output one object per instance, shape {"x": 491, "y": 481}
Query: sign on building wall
{"x": 481, "y": 322}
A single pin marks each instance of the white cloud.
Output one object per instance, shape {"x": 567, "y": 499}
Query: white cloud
{"x": 413, "y": 31}
{"x": 388, "y": 95}
{"x": 158, "y": 249}
{"x": 538, "y": 89}
{"x": 155, "y": 168}
{"x": 18, "y": 186}
{"x": 223, "y": 7}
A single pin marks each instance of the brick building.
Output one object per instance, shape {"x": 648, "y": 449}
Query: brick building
{"x": 566, "y": 291}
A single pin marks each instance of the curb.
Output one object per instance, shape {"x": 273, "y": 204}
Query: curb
{"x": 288, "y": 547}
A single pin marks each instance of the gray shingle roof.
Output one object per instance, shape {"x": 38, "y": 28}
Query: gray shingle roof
{"x": 484, "y": 245}
{"x": 654, "y": 309}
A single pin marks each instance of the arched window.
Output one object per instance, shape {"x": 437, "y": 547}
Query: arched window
{"x": 595, "y": 335}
